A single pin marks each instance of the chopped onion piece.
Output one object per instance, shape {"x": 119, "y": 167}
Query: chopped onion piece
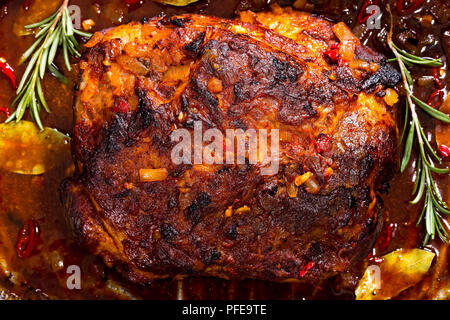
{"x": 150, "y": 175}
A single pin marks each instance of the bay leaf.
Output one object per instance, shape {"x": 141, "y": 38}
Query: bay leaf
{"x": 24, "y": 149}
{"x": 398, "y": 271}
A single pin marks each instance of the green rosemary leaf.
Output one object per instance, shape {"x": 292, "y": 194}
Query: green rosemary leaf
{"x": 438, "y": 195}
{"x": 429, "y": 217}
{"x": 66, "y": 55}
{"x": 35, "y": 111}
{"x": 429, "y": 63}
{"x": 54, "y": 47}
{"x": 57, "y": 74}
{"x": 419, "y": 193}
{"x": 68, "y": 23}
{"x": 405, "y": 122}
{"x": 43, "y": 66}
{"x": 421, "y": 216}
{"x": 30, "y": 51}
{"x": 438, "y": 205}
{"x": 27, "y": 71}
{"x": 42, "y": 31}
{"x": 52, "y": 35}
{"x": 443, "y": 234}
{"x": 409, "y": 79}
{"x": 41, "y": 95}
{"x": 38, "y": 24}
{"x": 418, "y": 174}
{"x": 427, "y": 144}
{"x": 408, "y": 148}
{"x": 429, "y": 165}
{"x": 431, "y": 111}
{"x": 415, "y": 59}
{"x": 83, "y": 34}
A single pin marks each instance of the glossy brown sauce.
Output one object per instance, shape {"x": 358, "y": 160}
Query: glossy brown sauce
{"x": 43, "y": 275}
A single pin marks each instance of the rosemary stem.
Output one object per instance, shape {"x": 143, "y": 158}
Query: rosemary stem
{"x": 411, "y": 105}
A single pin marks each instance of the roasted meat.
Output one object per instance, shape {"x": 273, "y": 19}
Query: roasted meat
{"x": 287, "y": 70}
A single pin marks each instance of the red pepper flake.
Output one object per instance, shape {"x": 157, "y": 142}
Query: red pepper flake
{"x": 332, "y": 55}
{"x": 437, "y": 93}
{"x": 27, "y": 240}
{"x": 323, "y": 143}
{"x": 403, "y": 8}
{"x": 335, "y": 45}
{"x": 363, "y": 15}
{"x": 121, "y": 105}
{"x": 436, "y": 76}
{"x": 305, "y": 269}
{"x": 8, "y": 71}
{"x": 5, "y": 111}
{"x": 444, "y": 150}
{"x": 372, "y": 258}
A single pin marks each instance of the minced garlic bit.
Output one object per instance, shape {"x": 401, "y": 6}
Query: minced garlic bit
{"x": 391, "y": 97}
{"x": 299, "y": 180}
{"x": 149, "y": 175}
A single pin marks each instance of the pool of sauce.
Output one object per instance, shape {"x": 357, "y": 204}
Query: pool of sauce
{"x": 22, "y": 197}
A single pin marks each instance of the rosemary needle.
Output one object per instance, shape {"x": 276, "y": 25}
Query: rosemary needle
{"x": 425, "y": 187}
{"x": 54, "y": 32}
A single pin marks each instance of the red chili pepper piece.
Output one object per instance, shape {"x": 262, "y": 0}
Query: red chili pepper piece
{"x": 444, "y": 150}
{"x": 8, "y": 71}
{"x": 436, "y": 77}
{"x": 131, "y": 2}
{"x": 121, "y": 105}
{"x": 335, "y": 45}
{"x": 372, "y": 258}
{"x": 363, "y": 15}
{"x": 308, "y": 267}
{"x": 27, "y": 239}
{"x": 5, "y": 111}
{"x": 440, "y": 94}
{"x": 403, "y": 9}
{"x": 332, "y": 55}
{"x": 323, "y": 143}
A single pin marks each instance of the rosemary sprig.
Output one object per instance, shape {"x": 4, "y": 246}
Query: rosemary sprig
{"x": 425, "y": 186}
{"x": 52, "y": 33}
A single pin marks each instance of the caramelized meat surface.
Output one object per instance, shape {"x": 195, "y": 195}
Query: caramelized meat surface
{"x": 285, "y": 70}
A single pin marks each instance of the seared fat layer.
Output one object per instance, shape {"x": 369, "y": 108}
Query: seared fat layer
{"x": 283, "y": 70}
